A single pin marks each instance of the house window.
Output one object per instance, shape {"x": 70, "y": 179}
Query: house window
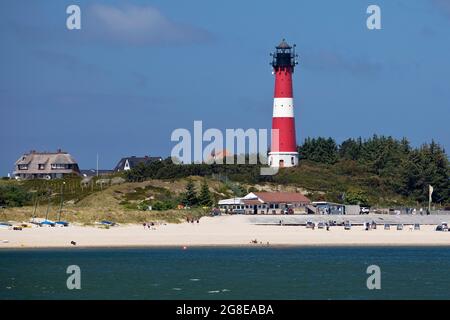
{"x": 59, "y": 166}
{"x": 23, "y": 167}
{"x": 127, "y": 166}
{"x": 292, "y": 160}
{"x": 41, "y": 166}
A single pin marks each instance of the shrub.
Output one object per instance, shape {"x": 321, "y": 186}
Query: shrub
{"x": 163, "y": 205}
{"x": 14, "y": 196}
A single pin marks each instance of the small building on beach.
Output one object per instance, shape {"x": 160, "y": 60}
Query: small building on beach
{"x": 268, "y": 203}
{"x": 232, "y": 205}
{"x": 325, "y": 207}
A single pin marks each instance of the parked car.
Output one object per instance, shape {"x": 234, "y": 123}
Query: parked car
{"x": 400, "y": 227}
{"x": 442, "y": 227}
{"x": 364, "y": 210}
{"x": 321, "y": 225}
{"x": 62, "y": 223}
{"x": 215, "y": 212}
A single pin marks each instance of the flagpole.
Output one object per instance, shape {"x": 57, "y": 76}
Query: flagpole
{"x": 97, "y": 165}
{"x": 430, "y": 192}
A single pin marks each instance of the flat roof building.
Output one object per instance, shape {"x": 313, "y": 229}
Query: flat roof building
{"x": 267, "y": 203}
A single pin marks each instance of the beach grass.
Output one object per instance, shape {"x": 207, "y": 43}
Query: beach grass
{"x": 88, "y": 216}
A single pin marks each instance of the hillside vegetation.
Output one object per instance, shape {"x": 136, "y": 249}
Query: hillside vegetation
{"x": 380, "y": 171}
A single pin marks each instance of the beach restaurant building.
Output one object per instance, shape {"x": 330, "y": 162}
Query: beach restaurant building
{"x": 267, "y": 203}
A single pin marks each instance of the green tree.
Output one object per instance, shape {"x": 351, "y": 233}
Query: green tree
{"x": 322, "y": 150}
{"x": 356, "y": 197}
{"x": 204, "y": 198}
{"x": 426, "y": 166}
{"x": 190, "y": 195}
{"x": 350, "y": 149}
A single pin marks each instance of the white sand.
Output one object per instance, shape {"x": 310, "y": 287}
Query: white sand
{"x": 217, "y": 231}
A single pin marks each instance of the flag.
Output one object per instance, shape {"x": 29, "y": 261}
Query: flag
{"x": 430, "y": 192}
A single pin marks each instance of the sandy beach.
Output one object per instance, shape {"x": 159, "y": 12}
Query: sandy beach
{"x": 218, "y": 231}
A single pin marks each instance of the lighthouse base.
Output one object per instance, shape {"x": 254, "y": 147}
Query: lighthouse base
{"x": 283, "y": 159}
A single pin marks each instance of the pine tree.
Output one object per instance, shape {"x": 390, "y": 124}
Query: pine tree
{"x": 190, "y": 195}
{"x": 204, "y": 198}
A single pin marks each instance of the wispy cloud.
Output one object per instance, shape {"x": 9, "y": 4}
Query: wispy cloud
{"x": 114, "y": 25}
{"x": 141, "y": 25}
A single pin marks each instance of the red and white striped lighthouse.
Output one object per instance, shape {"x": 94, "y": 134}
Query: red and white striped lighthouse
{"x": 284, "y": 147}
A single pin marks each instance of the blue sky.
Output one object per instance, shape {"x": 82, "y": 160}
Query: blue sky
{"x": 137, "y": 71}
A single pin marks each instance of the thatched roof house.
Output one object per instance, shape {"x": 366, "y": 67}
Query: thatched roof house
{"x": 45, "y": 165}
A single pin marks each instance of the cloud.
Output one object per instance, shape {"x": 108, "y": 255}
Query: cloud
{"x": 141, "y": 25}
{"x": 335, "y": 62}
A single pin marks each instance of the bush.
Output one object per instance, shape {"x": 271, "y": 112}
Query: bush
{"x": 14, "y": 196}
{"x": 163, "y": 205}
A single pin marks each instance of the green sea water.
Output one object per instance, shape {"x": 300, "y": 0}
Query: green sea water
{"x": 227, "y": 273}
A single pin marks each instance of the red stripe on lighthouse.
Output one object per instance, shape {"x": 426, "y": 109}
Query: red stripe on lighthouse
{"x": 286, "y": 135}
{"x": 283, "y": 83}
{"x": 284, "y": 125}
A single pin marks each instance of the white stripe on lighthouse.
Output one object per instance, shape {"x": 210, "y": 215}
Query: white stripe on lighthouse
{"x": 283, "y": 108}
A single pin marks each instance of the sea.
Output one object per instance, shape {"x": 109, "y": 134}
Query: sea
{"x": 297, "y": 273}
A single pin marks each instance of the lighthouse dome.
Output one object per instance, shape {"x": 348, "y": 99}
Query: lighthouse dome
{"x": 284, "y": 45}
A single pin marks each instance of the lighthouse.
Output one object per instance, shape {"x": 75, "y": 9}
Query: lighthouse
{"x": 283, "y": 151}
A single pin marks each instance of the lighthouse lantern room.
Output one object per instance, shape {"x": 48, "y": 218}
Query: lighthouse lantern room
{"x": 283, "y": 151}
